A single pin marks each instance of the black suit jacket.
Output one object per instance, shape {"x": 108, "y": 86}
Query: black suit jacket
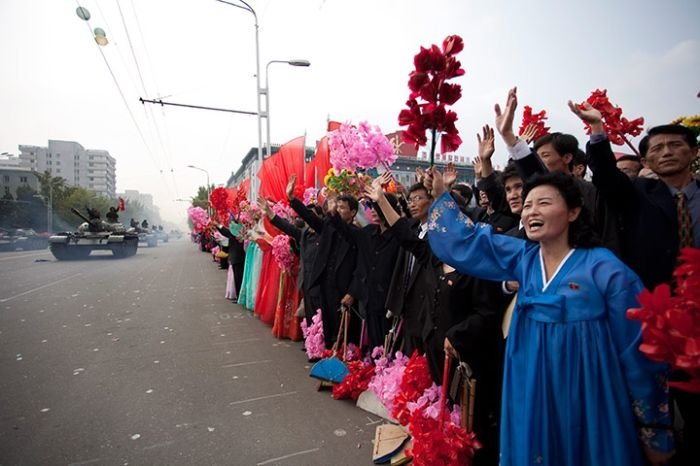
{"x": 376, "y": 257}
{"x": 413, "y": 300}
{"x": 331, "y": 243}
{"x": 647, "y": 210}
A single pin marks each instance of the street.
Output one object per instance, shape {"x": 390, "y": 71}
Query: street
{"x": 141, "y": 361}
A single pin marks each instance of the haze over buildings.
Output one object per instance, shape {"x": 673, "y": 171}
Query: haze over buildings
{"x": 92, "y": 169}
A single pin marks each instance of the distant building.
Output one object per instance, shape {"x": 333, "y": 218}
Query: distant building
{"x": 13, "y": 176}
{"x": 410, "y": 158}
{"x": 91, "y": 169}
{"x": 145, "y": 199}
{"x": 248, "y": 163}
{"x": 404, "y": 169}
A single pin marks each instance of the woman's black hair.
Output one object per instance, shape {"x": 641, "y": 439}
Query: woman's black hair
{"x": 581, "y": 233}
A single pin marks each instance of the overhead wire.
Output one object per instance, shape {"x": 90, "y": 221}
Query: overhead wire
{"x": 155, "y": 83}
{"x": 121, "y": 94}
{"x": 145, "y": 91}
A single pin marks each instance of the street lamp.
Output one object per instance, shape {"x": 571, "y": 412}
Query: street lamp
{"x": 248, "y": 8}
{"x": 266, "y": 91}
{"x": 208, "y": 185}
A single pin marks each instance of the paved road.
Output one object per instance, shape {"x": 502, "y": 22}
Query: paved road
{"x": 141, "y": 361}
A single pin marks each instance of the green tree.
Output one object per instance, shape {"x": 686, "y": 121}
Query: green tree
{"x": 202, "y": 197}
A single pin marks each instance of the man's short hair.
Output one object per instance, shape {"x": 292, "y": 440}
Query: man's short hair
{"x": 418, "y": 187}
{"x": 687, "y": 134}
{"x": 624, "y": 157}
{"x": 580, "y": 158}
{"x": 511, "y": 171}
{"x": 352, "y": 202}
{"x": 562, "y": 143}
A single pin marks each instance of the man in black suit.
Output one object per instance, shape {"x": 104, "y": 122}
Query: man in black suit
{"x": 660, "y": 216}
{"x": 308, "y": 241}
{"x": 333, "y": 269}
{"x": 412, "y": 285}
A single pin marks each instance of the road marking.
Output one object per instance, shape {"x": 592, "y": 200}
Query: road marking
{"x": 238, "y": 364}
{"x": 96, "y": 460}
{"x": 291, "y": 455}
{"x": 232, "y": 341}
{"x": 267, "y": 397}
{"x": 23, "y": 255}
{"x": 159, "y": 445}
{"x": 39, "y": 288}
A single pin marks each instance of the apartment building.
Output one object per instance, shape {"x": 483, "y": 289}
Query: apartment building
{"x": 91, "y": 169}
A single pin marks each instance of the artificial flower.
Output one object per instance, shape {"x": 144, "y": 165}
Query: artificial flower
{"x": 617, "y": 126}
{"x": 536, "y": 119}
{"x": 282, "y": 252}
{"x": 429, "y": 95}
{"x": 355, "y": 382}
{"x": 314, "y": 342}
{"x": 310, "y": 196}
{"x": 671, "y": 322}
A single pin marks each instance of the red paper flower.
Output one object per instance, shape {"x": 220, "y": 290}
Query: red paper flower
{"x": 436, "y": 445}
{"x": 671, "y": 322}
{"x": 355, "y": 382}
{"x": 433, "y": 67}
{"x": 416, "y": 379}
{"x": 536, "y": 119}
{"x": 218, "y": 199}
{"x": 614, "y": 123}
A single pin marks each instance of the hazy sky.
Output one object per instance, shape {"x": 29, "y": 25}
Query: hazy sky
{"x": 54, "y": 83}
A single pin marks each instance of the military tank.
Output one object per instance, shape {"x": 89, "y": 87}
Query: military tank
{"x": 92, "y": 235}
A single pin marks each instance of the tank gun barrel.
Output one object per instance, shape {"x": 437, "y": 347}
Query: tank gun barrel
{"x": 77, "y": 212}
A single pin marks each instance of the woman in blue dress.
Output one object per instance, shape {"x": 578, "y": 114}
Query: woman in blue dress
{"x": 576, "y": 389}
{"x": 251, "y": 269}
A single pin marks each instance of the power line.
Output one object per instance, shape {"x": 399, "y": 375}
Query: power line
{"x": 143, "y": 87}
{"x": 123, "y": 97}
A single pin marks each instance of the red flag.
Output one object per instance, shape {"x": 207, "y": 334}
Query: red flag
{"x": 243, "y": 189}
{"x": 277, "y": 169}
{"x": 122, "y": 207}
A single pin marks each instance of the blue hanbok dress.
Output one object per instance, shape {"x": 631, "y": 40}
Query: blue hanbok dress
{"x": 576, "y": 389}
{"x": 251, "y": 276}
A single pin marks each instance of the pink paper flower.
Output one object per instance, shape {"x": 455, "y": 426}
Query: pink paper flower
{"x": 283, "y": 210}
{"x": 199, "y": 218}
{"x": 282, "y": 252}
{"x": 310, "y": 196}
{"x": 364, "y": 146}
{"x": 386, "y": 382}
{"x": 313, "y": 336}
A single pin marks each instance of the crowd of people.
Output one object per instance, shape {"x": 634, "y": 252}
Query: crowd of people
{"x": 526, "y": 277}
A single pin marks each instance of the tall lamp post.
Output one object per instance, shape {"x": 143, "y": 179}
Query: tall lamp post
{"x": 266, "y": 91}
{"x": 208, "y": 185}
{"x": 245, "y": 6}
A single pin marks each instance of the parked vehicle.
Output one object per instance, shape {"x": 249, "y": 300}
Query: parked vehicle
{"x": 22, "y": 238}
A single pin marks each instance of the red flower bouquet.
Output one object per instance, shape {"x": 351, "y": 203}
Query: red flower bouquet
{"x": 617, "y": 126}
{"x": 218, "y": 200}
{"x": 536, "y": 119}
{"x": 671, "y": 322}
{"x": 431, "y": 94}
{"x": 355, "y": 382}
{"x": 416, "y": 380}
{"x": 440, "y": 445}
